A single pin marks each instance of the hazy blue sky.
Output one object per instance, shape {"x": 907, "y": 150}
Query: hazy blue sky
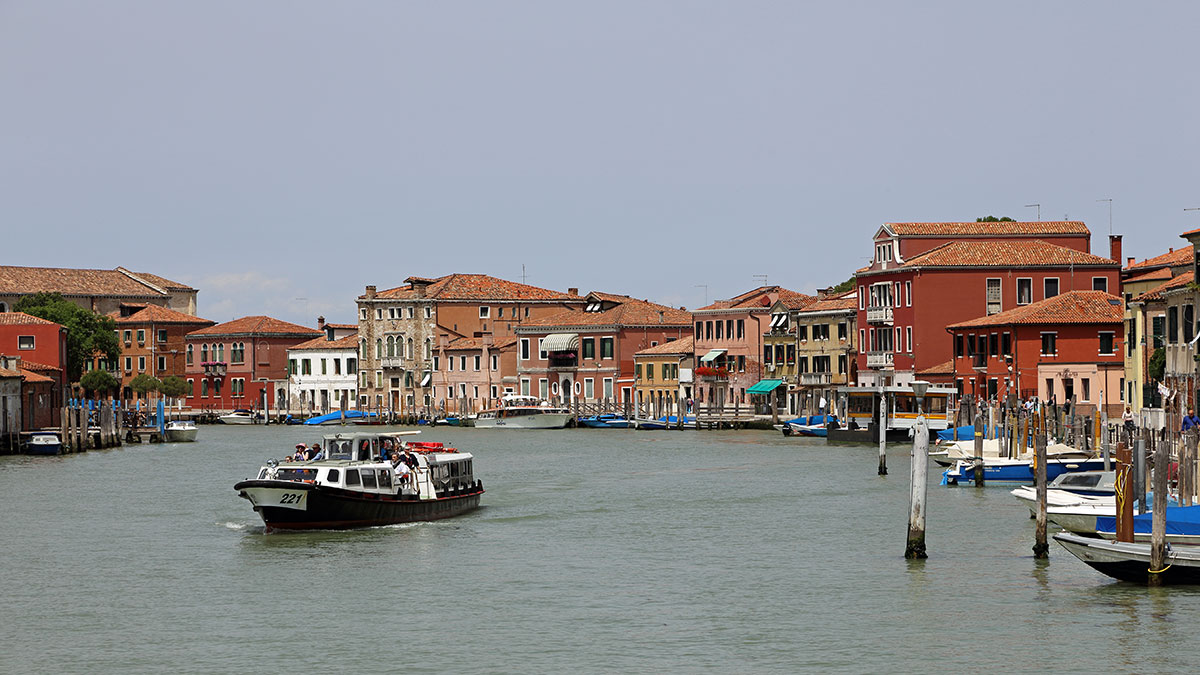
{"x": 280, "y": 155}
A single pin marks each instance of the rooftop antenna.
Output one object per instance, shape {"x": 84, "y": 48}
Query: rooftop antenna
{"x": 705, "y": 287}
{"x": 522, "y": 272}
{"x": 1039, "y": 210}
{"x": 1109, "y": 214}
{"x": 760, "y": 276}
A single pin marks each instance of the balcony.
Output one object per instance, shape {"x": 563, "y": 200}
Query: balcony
{"x": 879, "y": 315}
{"x": 808, "y": 379}
{"x": 562, "y": 361}
{"x": 711, "y": 374}
{"x": 214, "y": 368}
{"x": 391, "y": 362}
{"x": 880, "y": 359}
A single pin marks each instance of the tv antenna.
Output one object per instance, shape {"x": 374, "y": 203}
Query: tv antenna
{"x": 763, "y": 277}
{"x": 1109, "y": 214}
{"x": 1039, "y": 210}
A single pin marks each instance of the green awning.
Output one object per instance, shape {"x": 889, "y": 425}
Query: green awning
{"x": 711, "y": 355}
{"x": 764, "y": 387}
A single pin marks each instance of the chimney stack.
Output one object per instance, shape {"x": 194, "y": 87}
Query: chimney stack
{"x": 1114, "y": 247}
{"x": 370, "y": 292}
{"x": 572, "y": 291}
{"x": 1129, "y": 261}
{"x": 320, "y": 323}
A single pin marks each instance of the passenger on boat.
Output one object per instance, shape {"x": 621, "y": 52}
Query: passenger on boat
{"x": 402, "y": 470}
{"x": 409, "y": 458}
{"x": 298, "y": 455}
{"x": 385, "y": 449}
{"x": 316, "y": 452}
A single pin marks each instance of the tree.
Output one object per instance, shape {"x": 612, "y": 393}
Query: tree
{"x": 99, "y": 382}
{"x": 847, "y": 285}
{"x": 173, "y": 386}
{"x": 145, "y": 383}
{"x": 1158, "y": 365}
{"x": 87, "y": 332}
{"x": 994, "y": 219}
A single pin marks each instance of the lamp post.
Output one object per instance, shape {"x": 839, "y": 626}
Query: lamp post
{"x": 919, "y": 388}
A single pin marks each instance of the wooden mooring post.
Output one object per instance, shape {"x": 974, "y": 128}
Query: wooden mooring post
{"x": 1124, "y": 492}
{"x": 1040, "y": 548}
{"x": 918, "y": 476}
{"x": 978, "y": 448}
{"x": 882, "y": 435}
{"x": 1158, "y": 528}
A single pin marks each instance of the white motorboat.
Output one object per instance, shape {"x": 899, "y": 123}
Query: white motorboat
{"x": 241, "y": 417}
{"x": 1072, "y": 488}
{"x": 42, "y": 443}
{"x": 949, "y": 452}
{"x": 180, "y": 431}
{"x": 1131, "y": 562}
{"x": 524, "y": 412}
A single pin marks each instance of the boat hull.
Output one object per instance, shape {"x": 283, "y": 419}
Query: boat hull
{"x": 180, "y": 435}
{"x": 1131, "y": 562}
{"x": 538, "y": 421}
{"x": 236, "y": 419}
{"x": 1016, "y": 471}
{"x": 287, "y": 505}
{"x": 43, "y": 448}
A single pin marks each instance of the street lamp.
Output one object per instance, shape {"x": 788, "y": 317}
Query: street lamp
{"x": 919, "y": 388}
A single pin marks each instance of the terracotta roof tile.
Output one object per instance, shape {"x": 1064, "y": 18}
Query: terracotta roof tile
{"x": 342, "y": 326}
{"x": 473, "y": 287}
{"x": 163, "y": 282}
{"x": 843, "y": 302}
{"x": 9, "y": 372}
{"x": 684, "y": 345}
{"x": 31, "y": 376}
{"x": 761, "y": 297}
{"x": 1160, "y": 274}
{"x": 1006, "y": 254}
{"x": 1175, "y": 257}
{"x": 1156, "y": 293}
{"x": 348, "y": 342}
{"x": 257, "y": 325}
{"x": 1006, "y": 228}
{"x": 1072, "y": 307}
{"x": 21, "y": 319}
{"x": 630, "y": 312}
{"x": 156, "y": 314}
{"x": 946, "y": 368}
{"x": 40, "y": 367}
{"x": 77, "y": 282}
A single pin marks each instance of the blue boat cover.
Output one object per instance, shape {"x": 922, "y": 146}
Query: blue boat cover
{"x": 350, "y": 415}
{"x": 1180, "y": 520}
{"x": 964, "y": 433}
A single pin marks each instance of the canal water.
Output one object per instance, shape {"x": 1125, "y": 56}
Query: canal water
{"x": 595, "y": 551}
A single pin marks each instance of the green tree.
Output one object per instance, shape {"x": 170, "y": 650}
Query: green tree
{"x": 88, "y": 333}
{"x": 174, "y": 386}
{"x": 145, "y": 383}
{"x": 847, "y": 285}
{"x": 99, "y": 382}
{"x": 1158, "y": 364}
{"x": 994, "y": 219}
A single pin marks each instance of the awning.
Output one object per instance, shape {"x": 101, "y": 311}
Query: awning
{"x": 425, "y": 380}
{"x": 779, "y": 320}
{"x": 560, "y": 342}
{"x": 764, "y": 387}
{"x": 711, "y": 355}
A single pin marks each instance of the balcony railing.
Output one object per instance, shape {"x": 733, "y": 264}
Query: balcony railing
{"x": 214, "y": 368}
{"x": 564, "y": 362}
{"x": 879, "y": 359}
{"x": 879, "y": 315}
{"x": 391, "y": 362}
{"x": 816, "y": 378}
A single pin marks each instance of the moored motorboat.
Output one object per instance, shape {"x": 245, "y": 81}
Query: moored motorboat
{"x": 1131, "y": 561}
{"x": 813, "y": 425}
{"x": 342, "y": 417}
{"x": 241, "y": 417}
{"x": 42, "y": 443}
{"x": 524, "y": 412}
{"x": 180, "y": 431}
{"x": 352, "y": 487}
{"x": 605, "y": 421}
{"x": 649, "y": 424}
{"x": 1015, "y": 470}
{"x": 1182, "y": 526}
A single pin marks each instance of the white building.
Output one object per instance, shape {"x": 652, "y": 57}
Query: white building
{"x": 323, "y": 373}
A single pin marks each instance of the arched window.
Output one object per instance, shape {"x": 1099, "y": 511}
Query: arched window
{"x": 221, "y": 352}
{"x": 410, "y": 349}
{"x": 203, "y": 354}
{"x": 379, "y": 348}
{"x": 428, "y": 348}
{"x": 3, "y": 307}
{"x": 362, "y": 348}
{"x": 189, "y": 355}
{"x": 391, "y": 346}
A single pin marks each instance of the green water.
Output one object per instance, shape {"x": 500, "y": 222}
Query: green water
{"x": 595, "y": 551}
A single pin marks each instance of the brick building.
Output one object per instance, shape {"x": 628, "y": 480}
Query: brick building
{"x": 241, "y": 363}
{"x": 926, "y": 276}
{"x": 152, "y": 340}
{"x": 399, "y": 328}
{"x": 469, "y": 374}
{"x": 101, "y": 291}
{"x": 1067, "y": 346}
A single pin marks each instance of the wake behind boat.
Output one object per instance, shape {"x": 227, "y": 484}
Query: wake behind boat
{"x": 353, "y": 487}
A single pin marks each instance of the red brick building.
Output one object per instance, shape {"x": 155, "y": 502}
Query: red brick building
{"x": 926, "y": 276}
{"x": 41, "y": 346}
{"x": 101, "y": 291}
{"x": 1066, "y": 346}
{"x": 588, "y": 355}
{"x": 152, "y": 343}
{"x": 729, "y": 342}
{"x": 240, "y": 363}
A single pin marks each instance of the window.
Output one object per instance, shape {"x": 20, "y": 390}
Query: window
{"x": 543, "y": 388}
{"x": 541, "y": 351}
{"x": 128, "y": 336}
{"x": 862, "y": 338}
{"x": 525, "y": 391}
{"x": 1024, "y": 290}
{"x": 650, "y": 372}
{"x": 1107, "y": 343}
{"x": 204, "y": 353}
{"x": 699, "y": 328}
{"x": 485, "y": 312}
{"x": 1006, "y": 344}
{"x": 589, "y": 347}
{"x": 993, "y": 345}
{"x": 708, "y": 330}
{"x": 741, "y": 364}
{"x": 802, "y": 332}
{"x": 324, "y": 367}
{"x": 1049, "y": 346}
{"x": 204, "y": 387}
{"x": 449, "y": 364}
{"x": 908, "y": 338}
{"x": 741, "y": 328}
{"x": 1172, "y": 325}
{"x": 337, "y": 366}
{"x": 477, "y": 360}
{"x": 1087, "y": 389}
{"x": 162, "y": 363}
{"x": 162, "y": 335}
{"x": 1049, "y": 287}
{"x": 908, "y": 294}
{"x": 462, "y": 363}
{"x": 141, "y": 364}
{"x": 842, "y": 331}
{"x": 608, "y": 387}
{"x": 862, "y": 297}
{"x": 495, "y": 362}
{"x": 379, "y": 313}
{"x": 129, "y": 364}
{"x": 637, "y": 371}
{"x": 188, "y": 358}
{"x": 821, "y": 364}
{"x": 720, "y": 326}
{"x": 842, "y": 364}
{"x": 306, "y": 366}
{"x": 291, "y": 366}
{"x": 729, "y": 329}
{"x": 141, "y": 336}
{"x": 606, "y": 347}
{"x": 1158, "y": 330}
{"x": 993, "y": 296}
{"x": 1100, "y": 284}
{"x": 25, "y": 342}
{"x": 820, "y": 331}
{"x": 958, "y": 346}
{"x": 1189, "y": 323}
{"x": 428, "y": 312}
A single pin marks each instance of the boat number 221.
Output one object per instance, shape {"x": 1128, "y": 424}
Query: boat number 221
{"x": 291, "y": 498}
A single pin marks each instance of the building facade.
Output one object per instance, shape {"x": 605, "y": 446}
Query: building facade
{"x": 663, "y": 377}
{"x": 152, "y": 343}
{"x": 926, "y": 276}
{"x": 323, "y": 375}
{"x": 826, "y": 352}
{"x": 469, "y": 374}
{"x": 101, "y": 291}
{"x": 399, "y": 329}
{"x": 242, "y": 363}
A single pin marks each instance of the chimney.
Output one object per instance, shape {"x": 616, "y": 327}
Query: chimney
{"x": 370, "y": 292}
{"x": 1114, "y": 247}
{"x": 1129, "y": 261}
{"x": 320, "y": 323}
{"x": 660, "y": 316}
{"x": 572, "y": 291}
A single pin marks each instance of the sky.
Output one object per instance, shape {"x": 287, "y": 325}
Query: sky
{"x": 281, "y": 155}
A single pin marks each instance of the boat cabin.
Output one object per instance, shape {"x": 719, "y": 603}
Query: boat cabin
{"x": 862, "y": 406}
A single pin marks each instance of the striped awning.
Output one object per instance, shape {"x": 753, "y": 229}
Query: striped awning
{"x": 711, "y": 355}
{"x": 560, "y": 342}
{"x": 425, "y": 380}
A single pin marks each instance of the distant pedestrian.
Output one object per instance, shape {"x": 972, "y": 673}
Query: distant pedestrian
{"x": 1191, "y": 421}
{"x": 1127, "y": 420}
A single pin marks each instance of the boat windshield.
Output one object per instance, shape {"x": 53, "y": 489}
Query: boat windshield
{"x": 296, "y": 474}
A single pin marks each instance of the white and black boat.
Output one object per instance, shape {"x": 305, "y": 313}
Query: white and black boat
{"x": 180, "y": 431}
{"x": 524, "y": 412}
{"x": 351, "y": 486}
{"x": 1131, "y": 562}
{"x": 241, "y": 417}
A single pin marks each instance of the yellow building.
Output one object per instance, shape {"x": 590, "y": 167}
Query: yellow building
{"x": 663, "y": 377}
{"x": 826, "y": 351}
{"x": 1143, "y": 285}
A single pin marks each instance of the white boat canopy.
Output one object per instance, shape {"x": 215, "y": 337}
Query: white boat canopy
{"x": 560, "y": 342}
{"x": 711, "y": 355}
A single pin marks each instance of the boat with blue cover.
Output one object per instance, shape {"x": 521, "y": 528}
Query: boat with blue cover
{"x": 1183, "y": 525}
{"x": 605, "y": 421}
{"x": 813, "y": 425}
{"x": 337, "y": 417}
{"x": 1015, "y": 471}
{"x": 41, "y": 443}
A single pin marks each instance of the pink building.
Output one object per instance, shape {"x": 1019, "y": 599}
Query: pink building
{"x": 241, "y": 363}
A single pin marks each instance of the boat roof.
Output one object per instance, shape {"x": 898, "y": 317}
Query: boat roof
{"x": 895, "y": 390}
{"x": 367, "y": 435}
